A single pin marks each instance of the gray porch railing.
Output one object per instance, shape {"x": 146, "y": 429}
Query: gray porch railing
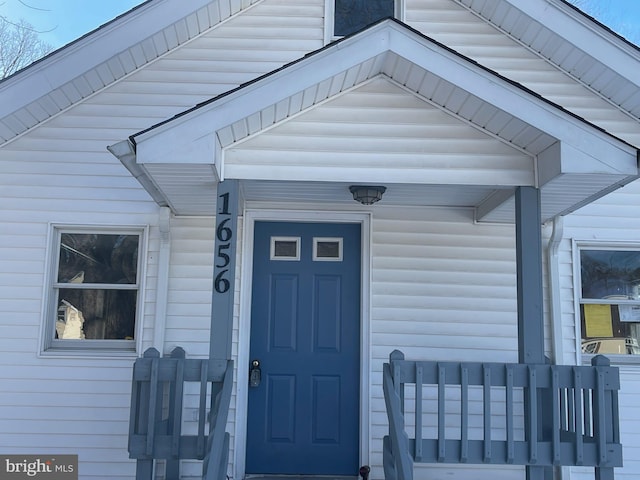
{"x": 539, "y": 415}
{"x": 156, "y": 419}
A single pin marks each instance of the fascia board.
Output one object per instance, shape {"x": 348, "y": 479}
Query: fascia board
{"x": 562, "y": 158}
{"x": 377, "y": 175}
{"x": 89, "y": 51}
{"x": 584, "y": 34}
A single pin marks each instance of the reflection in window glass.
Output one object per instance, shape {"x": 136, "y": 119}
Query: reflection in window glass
{"x": 610, "y": 274}
{"x": 96, "y": 286}
{"x": 285, "y": 248}
{"x": 96, "y": 314}
{"x": 354, "y": 15}
{"x": 327, "y": 249}
{"x": 610, "y": 301}
{"x": 98, "y": 258}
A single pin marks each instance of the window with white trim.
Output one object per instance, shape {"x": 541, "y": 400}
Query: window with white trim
{"x": 351, "y": 16}
{"x": 610, "y": 300}
{"x": 94, "y": 289}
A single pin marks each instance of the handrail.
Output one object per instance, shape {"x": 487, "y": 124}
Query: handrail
{"x": 397, "y": 461}
{"x": 539, "y": 415}
{"x": 215, "y": 462}
{"x": 156, "y": 416}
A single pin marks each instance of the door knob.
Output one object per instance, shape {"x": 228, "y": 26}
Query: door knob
{"x": 255, "y": 374}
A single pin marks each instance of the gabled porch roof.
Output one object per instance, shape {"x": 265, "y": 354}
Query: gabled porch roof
{"x": 572, "y": 161}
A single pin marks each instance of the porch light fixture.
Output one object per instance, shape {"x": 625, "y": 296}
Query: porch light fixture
{"x": 367, "y": 194}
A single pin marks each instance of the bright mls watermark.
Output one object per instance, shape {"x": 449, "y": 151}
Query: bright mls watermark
{"x": 51, "y": 467}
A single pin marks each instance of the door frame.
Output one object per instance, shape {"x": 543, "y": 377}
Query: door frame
{"x": 250, "y": 216}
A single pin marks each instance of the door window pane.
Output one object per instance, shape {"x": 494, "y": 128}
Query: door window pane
{"x": 285, "y": 248}
{"x": 327, "y": 249}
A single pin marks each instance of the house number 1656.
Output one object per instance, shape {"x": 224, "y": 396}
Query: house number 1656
{"x": 224, "y": 236}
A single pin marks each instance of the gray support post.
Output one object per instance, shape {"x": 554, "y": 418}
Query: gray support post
{"x": 529, "y": 276}
{"x": 224, "y": 276}
{"x": 144, "y": 469}
{"x": 224, "y": 270}
{"x": 530, "y": 306}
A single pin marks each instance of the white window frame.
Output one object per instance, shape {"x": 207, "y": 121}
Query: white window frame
{"x": 578, "y": 246}
{"x": 50, "y": 346}
{"x": 329, "y": 9}
{"x": 317, "y": 240}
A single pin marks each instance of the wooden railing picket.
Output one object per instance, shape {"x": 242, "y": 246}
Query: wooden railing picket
{"x": 175, "y": 404}
{"x": 579, "y": 416}
{"x": 510, "y": 414}
{"x": 155, "y": 428}
{"x": 486, "y": 402}
{"x": 418, "y": 414}
{"x": 555, "y": 416}
{"x": 173, "y": 421}
{"x": 442, "y": 441}
{"x": 570, "y": 415}
{"x": 202, "y": 409}
{"x": 153, "y": 403}
{"x": 464, "y": 413}
{"x": 531, "y": 409}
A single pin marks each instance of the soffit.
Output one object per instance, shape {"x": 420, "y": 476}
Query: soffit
{"x": 571, "y": 40}
{"x": 100, "y": 58}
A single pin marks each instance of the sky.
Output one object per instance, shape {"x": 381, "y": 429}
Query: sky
{"x": 59, "y": 22}
{"x": 62, "y": 21}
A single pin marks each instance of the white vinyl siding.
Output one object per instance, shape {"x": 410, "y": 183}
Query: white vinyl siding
{"x": 188, "y": 321}
{"x": 458, "y": 28}
{"x": 61, "y": 172}
{"x": 375, "y": 133}
{"x": 443, "y": 288}
{"x": 62, "y": 405}
{"x": 265, "y": 37}
{"x": 190, "y": 285}
{"x": 613, "y": 219}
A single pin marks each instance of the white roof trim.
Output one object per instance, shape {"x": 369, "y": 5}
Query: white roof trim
{"x": 168, "y": 141}
{"x": 581, "y": 31}
{"x": 117, "y": 49}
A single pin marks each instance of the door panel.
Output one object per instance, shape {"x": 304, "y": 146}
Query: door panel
{"x": 303, "y": 417}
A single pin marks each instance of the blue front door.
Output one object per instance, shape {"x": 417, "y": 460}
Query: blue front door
{"x": 303, "y": 411}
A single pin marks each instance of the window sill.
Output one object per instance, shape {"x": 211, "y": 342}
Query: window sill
{"x": 99, "y": 349}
